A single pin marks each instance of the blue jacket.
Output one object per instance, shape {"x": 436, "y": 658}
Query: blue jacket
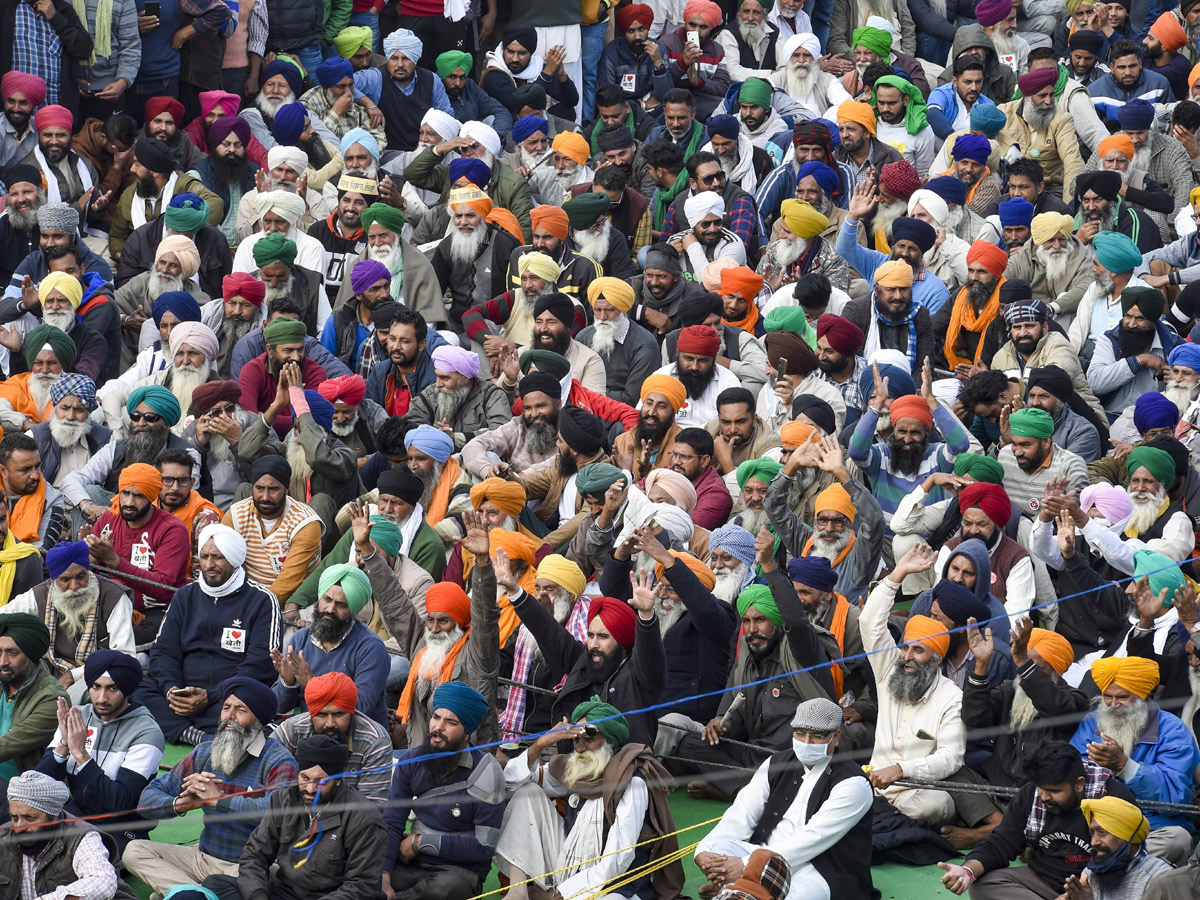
{"x": 942, "y": 109}
{"x": 474, "y": 103}
{"x": 928, "y": 291}
{"x": 361, "y": 655}
{"x": 618, "y": 60}
{"x": 159, "y": 60}
{"x": 421, "y": 378}
{"x": 1109, "y": 97}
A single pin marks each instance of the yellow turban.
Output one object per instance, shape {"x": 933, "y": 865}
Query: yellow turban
{"x": 929, "y": 632}
{"x": 671, "y": 388}
{"x": 562, "y": 572}
{"x": 895, "y": 273}
{"x": 1194, "y": 196}
{"x": 615, "y": 291}
{"x": 1117, "y": 816}
{"x": 540, "y": 265}
{"x": 573, "y": 146}
{"x": 350, "y": 40}
{"x": 854, "y": 111}
{"x": 506, "y": 496}
{"x": 1053, "y": 648}
{"x": 802, "y": 219}
{"x": 67, "y": 285}
{"x": 795, "y": 433}
{"x": 699, "y": 569}
{"x": 836, "y": 499}
{"x": 473, "y": 197}
{"x": 1136, "y": 674}
{"x": 1046, "y": 225}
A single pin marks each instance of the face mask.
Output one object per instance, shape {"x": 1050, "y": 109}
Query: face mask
{"x": 809, "y": 754}
{"x": 1114, "y": 862}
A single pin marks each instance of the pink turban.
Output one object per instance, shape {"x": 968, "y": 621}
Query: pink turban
{"x": 705, "y": 9}
{"x": 197, "y": 335}
{"x": 210, "y": 100}
{"x": 53, "y": 117}
{"x": 456, "y": 359}
{"x": 31, "y": 87}
{"x": 680, "y": 490}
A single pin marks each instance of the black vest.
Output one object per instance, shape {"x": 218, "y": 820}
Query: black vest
{"x": 641, "y": 887}
{"x": 846, "y": 867}
{"x": 746, "y": 53}
{"x": 403, "y": 112}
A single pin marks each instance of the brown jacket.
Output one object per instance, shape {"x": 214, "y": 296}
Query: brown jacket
{"x": 89, "y": 144}
{"x": 1056, "y": 148}
{"x": 624, "y": 446}
{"x": 547, "y": 483}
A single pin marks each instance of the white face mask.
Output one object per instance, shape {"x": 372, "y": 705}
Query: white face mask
{"x": 809, "y": 754}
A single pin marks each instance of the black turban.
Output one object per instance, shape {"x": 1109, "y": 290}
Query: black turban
{"x": 820, "y": 412}
{"x": 1103, "y": 184}
{"x": 558, "y": 305}
{"x": 582, "y": 431}
{"x": 695, "y": 308}
{"x": 614, "y": 138}
{"x": 540, "y": 381}
{"x": 154, "y": 155}
{"x": 920, "y": 233}
{"x": 259, "y": 698}
{"x": 1015, "y": 289}
{"x": 1052, "y": 380}
{"x": 401, "y": 482}
{"x": 322, "y": 750}
{"x": 275, "y": 466}
{"x": 531, "y": 95}
{"x": 123, "y": 669}
{"x": 525, "y": 36}
{"x": 1088, "y": 41}
{"x": 1175, "y": 449}
{"x": 28, "y": 632}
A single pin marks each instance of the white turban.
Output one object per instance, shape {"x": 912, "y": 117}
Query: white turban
{"x": 292, "y": 157}
{"x": 697, "y": 206}
{"x": 931, "y": 203}
{"x": 809, "y": 42}
{"x": 882, "y": 24}
{"x": 288, "y": 205}
{"x": 231, "y": 544}
{"x": 444, "y": 125}
{"x": 889, "y": 358}
{"x": 482, "y": 134}
{"x": 198, "y": 335}
{"x": 405, "y": 41}
{"x": 678, "y": 524}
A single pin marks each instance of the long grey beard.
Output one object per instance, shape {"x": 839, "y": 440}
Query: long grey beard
{"x": 729, "y": 160}
{"x": 268, "y": 106}
{"x": 1141, "y": 157}
{"x": 594, "y": 245}
{"x": 532, "y": 160}
{"x": 1039, "y": 118}
{"x": 911, "y": 688}
{"x": 567, "y": 178}
{"x": 785, "y": 251}
{"x": 1181, "y": 394}
{"x": 540, "y": 438}
{"x": 887, "y": 213}
{"x": 448, "y": 402}
{"x": 1054, "y": 261}
{"x": 1023, "y": 711}
{"x": 954, "y": 219}
{"x": 465, "y": 247}
{"x": 301, "y": 470}
{"x": 754, "y": 519}
{"x": 62, "y": 319}
{"x": 346, "y": 429}
{"x": 158, "y": 284}
{"x": 144, "y": 447}
{"x": 667, "y": 617}
{"x": 604, "y": 335}
{"x": 527, "y": 299}
{"x": 729, "y": 581}
{"x": 1004, "y": 44}
{"x": 280, "y": 292}
{"x": 39, "y": 388}
{"x": 829, "y": 549}
{"x": 1104, "y": 283}
{"x": 437, "y": 645}
{"x": 72, "y": 606}
{"x": 752, "y": 32}
{"x": 800, "y": 78}
{"x": 429, "y": 482}
{"x": 230, "y": 746}
{"x": 1145, "y": 509}
{"x": 68, "y": 434}
{"x": 587, "y": 766}
{"x": 185, "y": 379}
{"x": 801, "y": 483}
{"x": 1123, "y": 725}
{"x": 234, "y": 330}
{"x": 219, "y": 447}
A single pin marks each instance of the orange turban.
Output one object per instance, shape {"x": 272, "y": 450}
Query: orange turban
{"x": 836, "y": 499}
{"x": 1136, "y": 674}
{"x": 449, "y": 598}
{"x": 1169, "y": 32}
{"x": 551, "y": 218}
{"x": 894, "y": 273}
{"x": 337, "y": 688}
{"x": 515, "y": 545}
{"x": 989, "y": 256}
{"x": 924, "y": 630}
{"x": 143, "y": 478}
{"x": 505, "y": 219}
{"x": 1053, "y": 648}
{"x": 795, "y": 433}
{"x": 1195, "y": 73}
{"x": 741, "y": 280}
{"x": 506, "y": 496}
{"x": 912, "y": 406}
{"x": 472, "y": 197}
{"x": 1119, "y": 141}
{"x": 699, "y": 569}
{"x": 671, "y": 388}
{"x": 572, "y": 145}
{"x": 854, "y": 111}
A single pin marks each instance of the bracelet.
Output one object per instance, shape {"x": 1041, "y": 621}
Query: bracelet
{"x": 971, "y": 873}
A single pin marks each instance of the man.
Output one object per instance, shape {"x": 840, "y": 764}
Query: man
{"x": 697, "y": 370}
{"x": 902, "y": 121}
{"x": 752, "y": 42}
{"x": 603, "y": 755}
{"x": 264, "y": 389}
{"x": 1116, "y": 257}
{"x": 950, "y": 105}
{"x": 1049, "y": 387}
{"x": 406, "y": 367}
{"x": 227, "y": 172}
{"x": 739, "y": 434}
{"x": 242, "y": 760}
{"x": 569, "y": 154}
{"x": 29, "y": 688}
{"x": 469, "y": 100}
{"x": 708, "y": 239}
{"x": 1054, "y": 262}
{"x": 576, "y": 271}
{"x": 164, "y": 122}
{"x": 35, "y": 509}
{"x": 25, "y": 397}
{"x": 524, "y": 440}
{"x": 803, "y": 248}
{"x": 1104, "y": 210}
{"x": 1128, "y": 357}
{"x": 57, "y": 226}
{"x": 661, "y": 290}
{"x": 19, "y": 227}
{"x": 843, "y": 817}
{"x": 966, "y": 320}
{"x": 861, "y": 150}
{"x": 181, "y": 500}
{"x": 458, "y": 398}
{"x": 1160, "y": 156}
{"x": 69, "y": 438}
{"x": 332, "y": 100}
{"x": 67, "y": 175}
{"x": 651, "y": 444}
{"x": 626, "y": 351}
{"x": 21, "y": 94}
{"x": 192, "y": 350}
{"x": 741, "y": 167}
{"x": 342, "y": 234}
{"x": 285, "y": 165}
{"x": 1032, "y": 459}
{"x": 444, "y": 483}
{"x": 1162, "y": 43}
{"x": 470, "y": 261}
{"x": 1127, "y": 80}
{"x": 692, "y": 457}
{"x": 107, "y": 750}
{"x": 970, "y": 155}
{"x": 593, "y": 233}
{"x": 1035, "y": 121}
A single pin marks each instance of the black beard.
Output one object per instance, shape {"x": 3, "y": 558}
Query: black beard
{"x": 697, "y": 382}
{"x": 318, "y": 156}
{"x": 768, "y": 648}
{"x": 144, "y": 447}
{"x": 978, "y": 293}
{"x": 230, "y": 170}
{"x": 835, "y": 368}
{"x": 598, "y": 673}
{"x": 443, "y": 766}
{"x": 326, "y": 628}
{"x": 906, "y": 458}
{"x": 1026, "y": 346}
{"x": 560, "y": 345}
{"x": 1134, "y": 341}
{"x": 147, "y": 187}
{"x": 566, "y": 464}
{"x": 652, "y": 433}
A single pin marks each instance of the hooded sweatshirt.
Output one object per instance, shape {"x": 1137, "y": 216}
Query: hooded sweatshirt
{"x": 999, "y": 81}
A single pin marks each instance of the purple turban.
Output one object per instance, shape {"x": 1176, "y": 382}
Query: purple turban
{"x": 456, "y": 359}
{"x": 219, "y": 130}
{"x": 367, "y": 272}
{"x": 970, "y": 146}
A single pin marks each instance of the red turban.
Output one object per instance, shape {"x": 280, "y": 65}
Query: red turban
{"x": 156, "y": 106}
{"x": 706, "y": 10}
{"x": 991, "y": 498}
{"x": 244, "y": 285}
{"x": 1036, "y": 79}
{"x": 899, "y": 179}
{"x": 989, "y": 256}
{"x": 447, "y": 597}
{"x": 619, "y": 618}
{"x": 635, "y": 12}
{"x": 31, "y": 87}
{"x": 843, "y": 335}
{"x": 337, "y": 688}
{"x": 53, "y": 117}
{"x": 912, "y": 406}
{"x": 344, "y": 389}
{"x": 702, "y": 340}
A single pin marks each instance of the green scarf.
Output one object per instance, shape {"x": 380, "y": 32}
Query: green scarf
{"x": 1061, "y": 83}
{"x": 914, "y": 113}
{"x": 101, "y": 29}
{"x": 599, "y": 125}
{"x": 663, "y": 199}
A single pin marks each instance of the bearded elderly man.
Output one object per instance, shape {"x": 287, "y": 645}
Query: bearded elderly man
{"x": 69, "y": 438}
{"x": 279, "y": 212}
{"x": 444, "y": 483}
{"x": 276, "y": 266}
{"x": 1054, "y": 263}
{"x": 60, "y": 295}
{"x": 1128, "y": 358}
{"x": 569, "y": 155}
{"x": 802, "y": 249}
{"x": 508, "y": 317}
{"x": 626, "y": 352}
{"x": 285, "y": 166}
{"x": 458, "y": 400}
{"x": 29, "y": 690}
{"x": 355, "y": 418}
{"x": 1034, "y": 121}
{"x": 965, "y": 321}
{"x": 25, "y": 397}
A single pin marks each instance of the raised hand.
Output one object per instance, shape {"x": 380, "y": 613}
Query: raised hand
{"x": 361, "y": 524}
{"x": 881, "y": 388}
{"x": 504, "y": 573}
{"x": 865, "y": 200}
{"x": 1186, "y": 605}
{"x": 643, "y": 593}
{"x": 927, "y": 384}
{"x": 1066, "y": 535}
{"x": 980, "y": 643}
{"x": 832, "y": 457}
{"x": 1019, "y": 634}
{"x": 476, "y": 538}
{"x": 919, "y": 558}
{"x": 764, "y": 548}
{"x": 644, "y": 541}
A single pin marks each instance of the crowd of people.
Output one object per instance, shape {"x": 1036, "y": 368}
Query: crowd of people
{"x": 458, "y": 426}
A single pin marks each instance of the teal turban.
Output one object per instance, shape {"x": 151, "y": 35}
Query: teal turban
{"x": 1116, "y": 252}
{"x": 595, "y": 479}
{"x": 186, "y": 213}
{"x": 60, "y": 342}
{"x": 762, "y": 468}
{"x": 28, "y": 632}
{"x": 1163, "y": 572}
{"x": 1157, "y": 462}
{"x": 386, "y": 534}
{"x": 159, "y": 399}
{"x": 272, "y": 249}
{"x": 987, "y": 119}
{"x": 615, "y": 729}
{"x": 351, "y": 580}
{"x": 755, "y": 91}
{"x": 759, "y": 596}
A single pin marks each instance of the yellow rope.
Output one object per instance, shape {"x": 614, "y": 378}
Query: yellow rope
{"x": 633, "y": 875}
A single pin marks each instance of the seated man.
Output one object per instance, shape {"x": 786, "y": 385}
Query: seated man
{"x": 29, "y": 689}
{"x": 823, "y": 842}
{"x": 285, "y": 339}
{"x": 448, "y": 851}
{"x": 349, "y": 866}
{"x": 235, "y": 772}
{"x": 1032, "y": 460}
{"x": 332, "y": 701}
{"x": 355, "y": 418}
{"x": 703, "y": 378}
{"x": 692, "y": 457}
{"x": 25, "y": 395}
{"x": 215, "y": 431}
{"x": 218, "y": 626}
{"x": 179, "y": 499}
{"x": 459, "y": 398}
{"x": 35, "y": 507}
{"x": 524, "y": 440}
{"x": 106, "y": 751}
{"x": 650, "y": 444}
{"x": 631, "y": 810}
{"x": 1129, "y": 357}
{"x": 70, "y": 437}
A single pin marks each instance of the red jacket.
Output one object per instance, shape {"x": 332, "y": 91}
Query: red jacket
{"x": 598, "y": 405}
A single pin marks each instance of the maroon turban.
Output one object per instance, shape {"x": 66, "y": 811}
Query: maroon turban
{"x": 1036, "y": 79}
{"x": 899, "y": 179}
{"x": 635, "y": 12}
{"x": 991, "y": 498}
{"x": 619, "y": 618}
{"x": 219, "y": 130}
{"x": 808, "y": 133}
{"x": 244, "y": 285}
{"x": 699, "y": 339}
{"x": 209, "y": 394}
{"x": 843, "y": 335}
{"x": 156, "y": 106}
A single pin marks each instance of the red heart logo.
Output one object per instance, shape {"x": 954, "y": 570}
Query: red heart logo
{"x": 236, "y": 634}
{"x": 91, "y": 731}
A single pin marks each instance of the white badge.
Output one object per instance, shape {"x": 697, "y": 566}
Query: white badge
{"x": 629, "y": 82}
{"x": 233, "y": 640}
{"x": 279, "y": 556}
{"x": 141, "y": 555}
{"x": 89, "y": 743}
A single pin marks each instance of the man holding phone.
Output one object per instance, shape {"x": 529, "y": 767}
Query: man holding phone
{"x": 105, "y": 81}
{"x": 695, "y": 61}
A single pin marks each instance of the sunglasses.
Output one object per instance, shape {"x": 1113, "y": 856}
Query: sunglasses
{"x": 590, "y": 730}
{"x": 713, "y": 178}
{"x": 149, "y": 418}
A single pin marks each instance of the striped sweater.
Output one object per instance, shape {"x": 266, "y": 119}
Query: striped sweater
{"x": 1026, "y": 490}
{"x": 269, "y": 557}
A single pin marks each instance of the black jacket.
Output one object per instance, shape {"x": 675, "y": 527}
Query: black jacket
{"x": 14, "y": 246}
{"x": 138, "y": 255}
{"x": 891, "y": 337}
{"x": 51, "y": 453}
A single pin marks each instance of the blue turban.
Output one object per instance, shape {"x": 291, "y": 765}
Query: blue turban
{"x": 1186, "y": 354}
{"x": 736, "y": 541}
{"x": 814, "y": 571}
{"x": 920, "y": 233}
{"x": 835, "y": 136}
{"x": 726, "y": 126}
{"x": 406, "y": 42}
{"x": 333, "y": 70}
{"x": 972, "y": 146}
{"x": 825, "y": 176}
{"x": 1154, "y": 410}
{"x": 900, "y": 381}
{"x": 468, "y": 705}
{"x": 75, "y": 384}
{"x": 475, "y": 171}
{"x": 159, "y": 399}
{"x": 288, "y": 70}
{"x": 259, "y": 698}
{"x": 1017, "y": 211}
{"x": 987, "y": 118}
{"x": 361, "y": 136}
{"x": 123, "y": 669}
{"x": 181, "y": 303}
{"x": 289, "y": 122}
{"x": 1136, "y": 115}
{"x": 948, "y": 188}
{"x": 320, "y": 409}
{"x": 430, "y": 441}
{"x": 1116, "y": 251}
{"x": 959, "y": 604}
{"x": 63, "y": 555}
{"x": 526, "y": 126}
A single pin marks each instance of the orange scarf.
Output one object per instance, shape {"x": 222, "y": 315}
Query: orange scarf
{"x": 748, "y": 322}
{"x": 963, "y": 316}
{"x": 840, "y": 557}
{"x": 509, "y": 620}
{"x": 187, "y": 515}
{"x": 25, "y": 515}
{"x": 440, "y": 501}
{"x": 410, "y": 687}
{"x": 841, "y": 612}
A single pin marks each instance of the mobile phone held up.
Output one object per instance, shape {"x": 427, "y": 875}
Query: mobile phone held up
{"x": 694, "y": 38}
{"x": 153, "y": 8}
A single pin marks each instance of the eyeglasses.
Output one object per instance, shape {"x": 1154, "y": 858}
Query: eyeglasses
{"x": 148, "y": 418}
{"x": 222, "y": 410}
{"x": 179, "y": 482}
{"x": 713, "y": 178}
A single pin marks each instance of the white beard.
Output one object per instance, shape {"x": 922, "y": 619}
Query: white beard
{"x": 69, "y": 434}
{"x": 1145, "y": 509}
{"x": 667, "y": 617}
{"x": 185, "y": 379}
{"x": 829, "y": 549}
{"x": 604, "y": 335}
{"x": 1124, "y": 725}
{"x": 159, "y": 284}
{"x": 729, "y": 582}
{"x": 887, "y": 213}
{"x": 800, "y": 78}
{"x": 1004, "y": 44}
{"x": 594, "y": 245}
{"x": 218, "y": 446}
{"x": 786, "y": 251}
{"x": 1181, "y": 394}
{"x": 73, "y": 606}
{"x": 39, "y": 388}
{"x": 1141, "y": 157}
{"x": 384, "y": 253}
{"x": 954, "y": 219}
{"x": 344, "y": 431}
{"x": 1023, "y": 711}
{"x": 531, "y": 160}
{"x": 752, "y": 32}
{"x": 268, "y": 106}
{"x": 1054, "y": 261}
{"x": 884, "y": 423}
{"x": 437, "y": 645}
{"x": 567, "y": 178}
{"x": 587, "y": 766}
{"x": 526, "y": 300}
{"x": 754, "y": 519}
{"x": 301, "y": 470}
{"x": 282, "y": 292}
{"x": 465, "y": 247}
{"x": 62, "y": 319}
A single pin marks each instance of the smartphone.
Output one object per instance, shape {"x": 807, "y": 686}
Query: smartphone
{"x": 153, "y": 8}
{"x": 694, "y": 38}
{"x": 177, "y": 691}
{"x": 781, "y": 370}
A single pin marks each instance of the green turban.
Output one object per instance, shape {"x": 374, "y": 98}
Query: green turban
{"x": 159, "y": 399}
{"x": 351, "y": 580}
{"x": 350, "y": 40}
{"x": 554, "y": 364}
{"x": 615, "y": 729}
{"x": 451, "y": 60}
{"x": 28, "y": 632}
{"x": 187, "y": 218}
{"x": 981, "y": 468}
{"x": 762, "y": 468}
{"x": 274, "y": 248}
{"x": 756, "y": 91}
{"x": 386, "y": 534}
{"x": 1157, "y": 462}
{"x": 1034, "y": 423}
{"x": 595, "y": 479}
{"x": 791, "y": 318}
{"x": 60, "y": 342}
{"x": 387, "y": 216}
{"x": 585, "y": 210}
{"x": 1150, "y": 303}
{"x": 759, "y": 596}
{"x": 876, "y": 40}
{"x": 767, "y": 5}
{"x": 1163, "y": 572}
{"x": 285, "y": 331}
{"x": 914, "y": 119}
